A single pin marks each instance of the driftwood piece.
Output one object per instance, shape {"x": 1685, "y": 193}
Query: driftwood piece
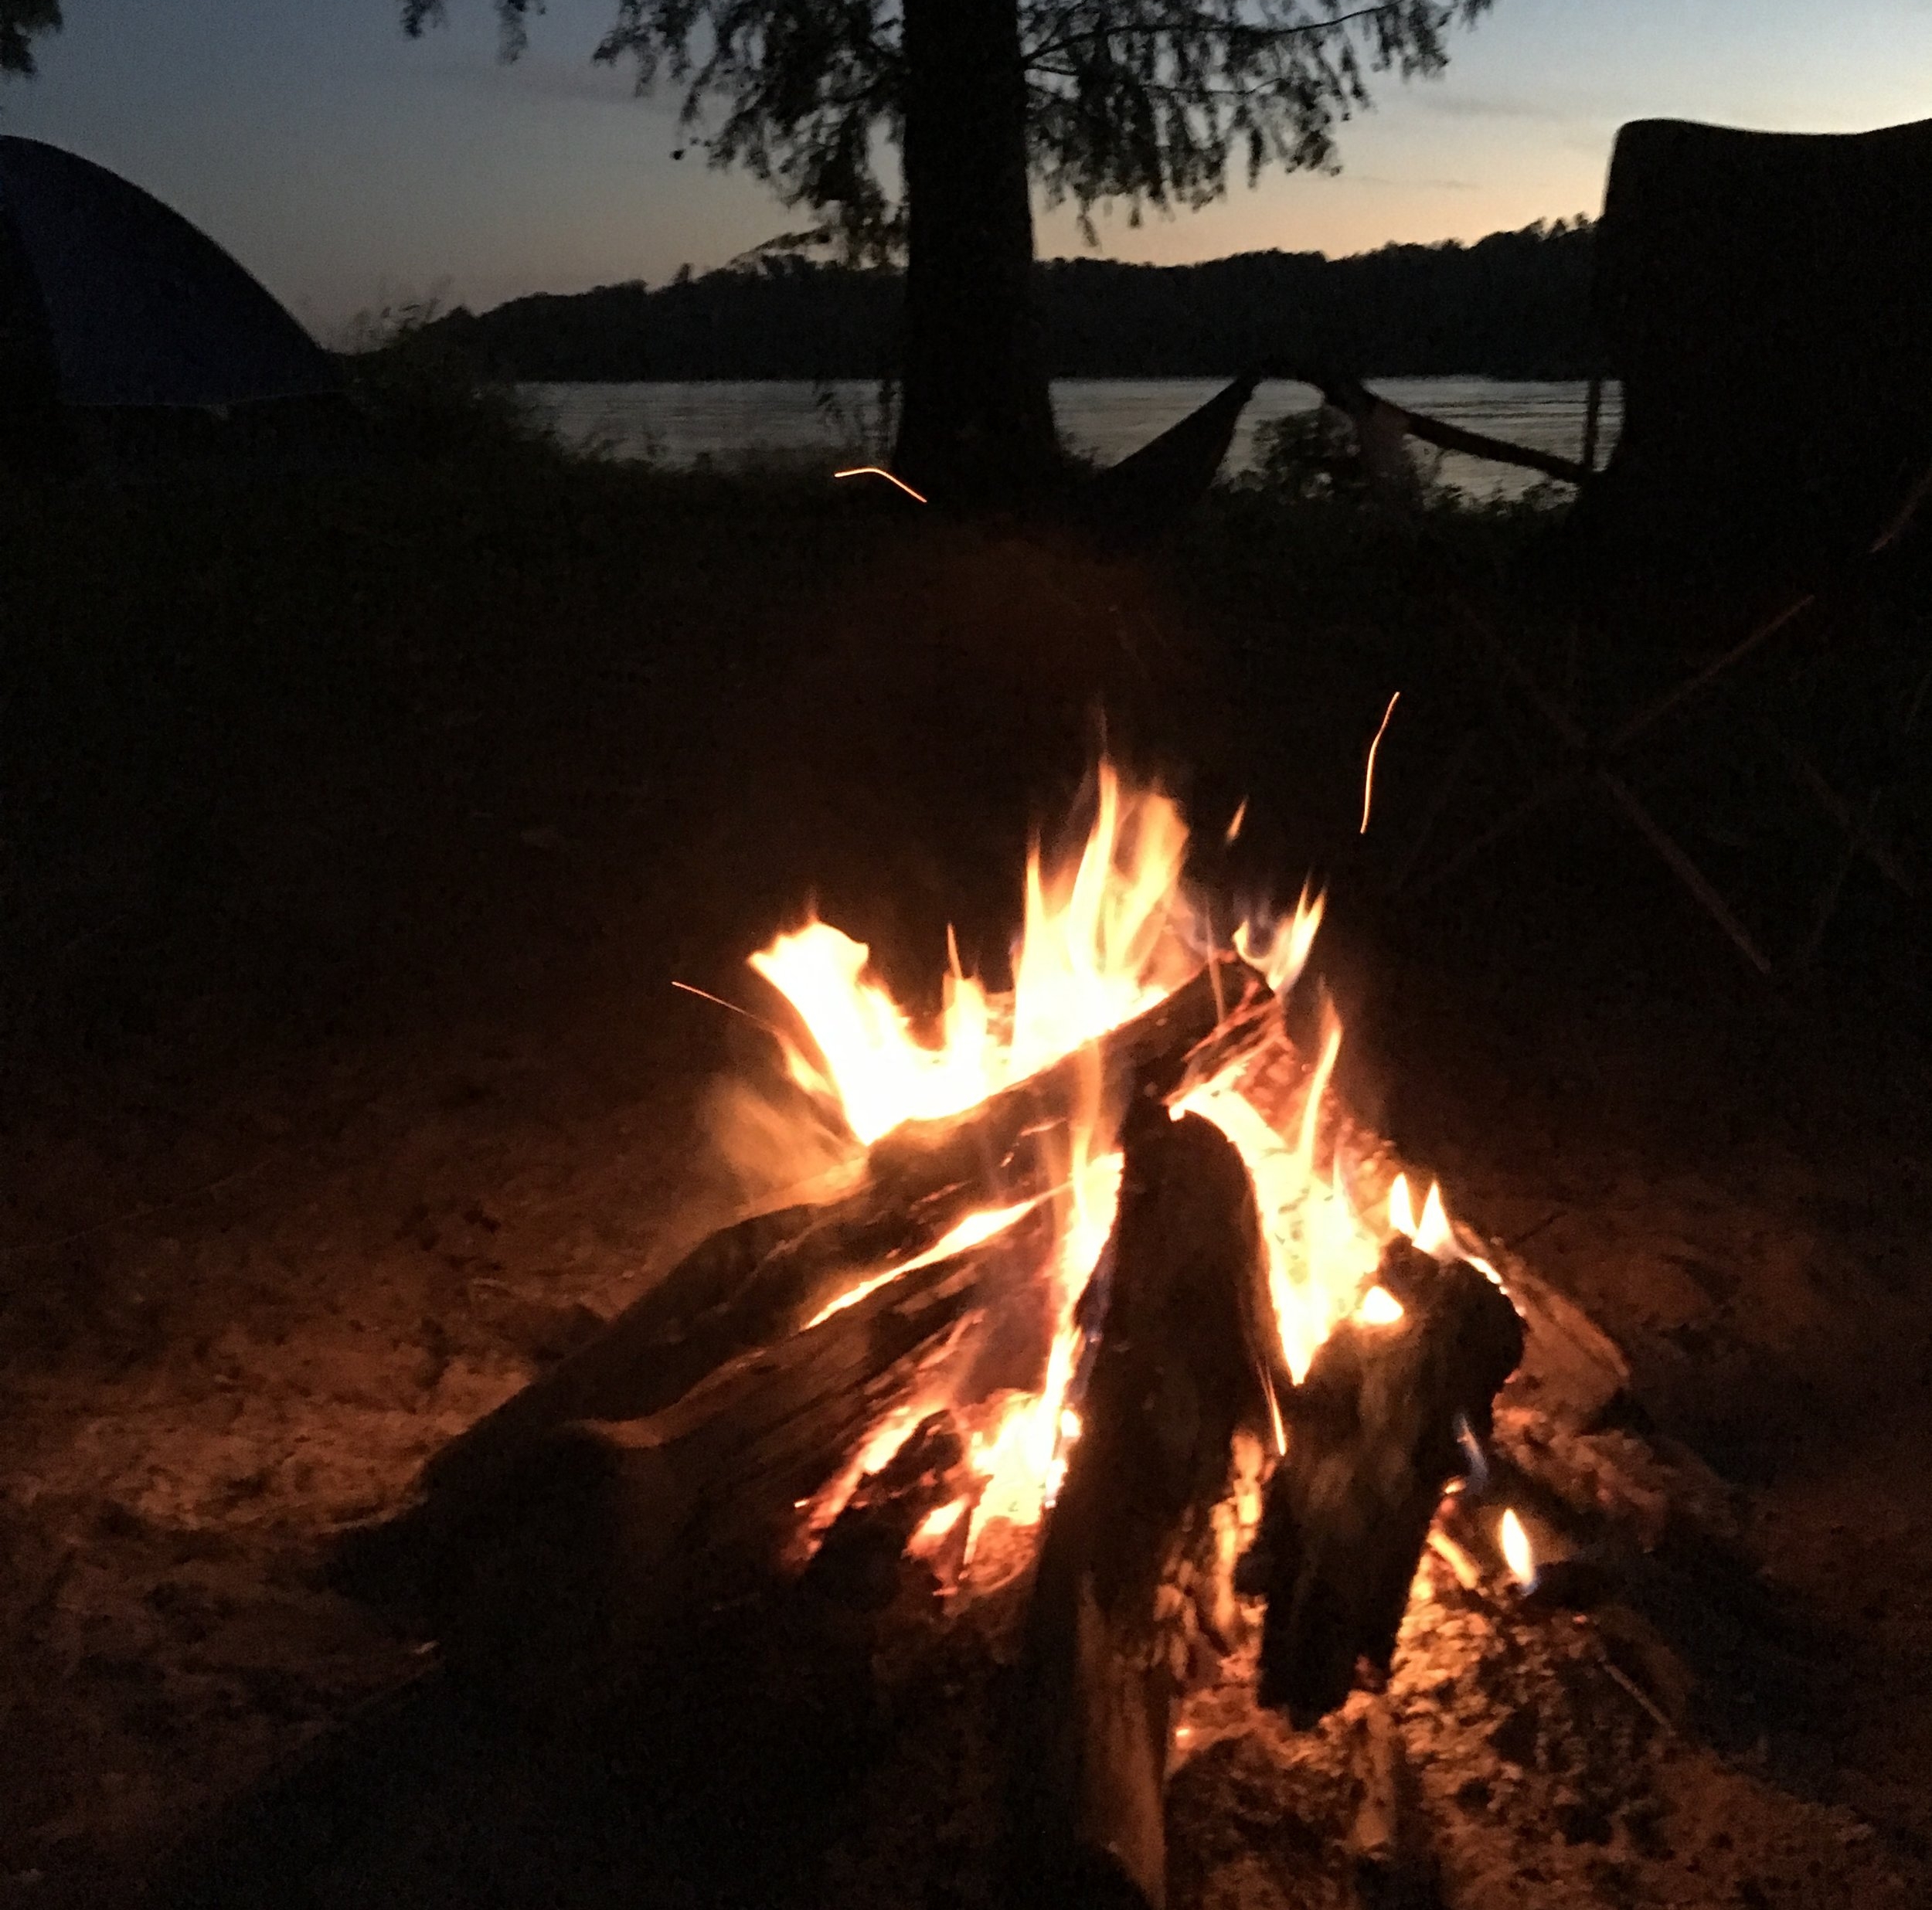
{"x": 1173, "y": 1376}
{"x": 1372, "y": 1441}
{"x": 761, "y": 1280}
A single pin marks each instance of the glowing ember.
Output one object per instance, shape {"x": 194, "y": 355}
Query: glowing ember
{"x": 1517, "y": 1551}
{"x": 1379, "y": 1308}
{"x": 970, "y": 1232}
{"x": 935, "y": 1526}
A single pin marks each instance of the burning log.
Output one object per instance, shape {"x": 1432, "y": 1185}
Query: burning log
{"x": 561, "y": 1600}
{"x": 1178, "y": 1369}
{"x": 1372, "y": 1440}
{"x": 763, "y": 1281}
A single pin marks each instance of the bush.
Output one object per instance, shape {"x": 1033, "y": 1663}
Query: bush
{"x": 426, "y": 396}
{"x": 1316, "y": 457}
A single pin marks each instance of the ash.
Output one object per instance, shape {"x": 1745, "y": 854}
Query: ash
{"x": 1521, "y": 1762}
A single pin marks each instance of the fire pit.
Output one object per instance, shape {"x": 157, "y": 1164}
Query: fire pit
{"x": 1111, "y": 1352}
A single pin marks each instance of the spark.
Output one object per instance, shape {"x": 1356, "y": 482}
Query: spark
{"x": 1368, "y": 775}
{"x": 880, "y": 471}
{"x": 1240, "y": 817}
{"x": 702, "y": 994}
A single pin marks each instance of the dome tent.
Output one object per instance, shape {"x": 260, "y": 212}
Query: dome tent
{"x": 123, "y": 328}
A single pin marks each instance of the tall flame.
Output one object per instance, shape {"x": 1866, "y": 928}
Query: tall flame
{"x": 1102, "y": 941}
{"x": 1320, "y": 1252}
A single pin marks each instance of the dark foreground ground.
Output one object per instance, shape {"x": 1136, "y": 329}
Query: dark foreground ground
{"x": 352, "y": 837}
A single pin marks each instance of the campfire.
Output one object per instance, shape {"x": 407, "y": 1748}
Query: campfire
{"x": 1106, "y": 1314}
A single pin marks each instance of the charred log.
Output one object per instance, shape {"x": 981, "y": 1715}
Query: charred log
{"x": 1371, "y": 1442}
{"x": 1175, "y": 1373}
{"x": 623, "y": 1535}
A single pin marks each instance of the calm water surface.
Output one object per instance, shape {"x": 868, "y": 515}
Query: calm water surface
{"x": 799, "y": 423}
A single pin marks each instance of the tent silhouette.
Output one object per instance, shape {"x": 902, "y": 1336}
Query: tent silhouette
{"x": 116, "y": 312}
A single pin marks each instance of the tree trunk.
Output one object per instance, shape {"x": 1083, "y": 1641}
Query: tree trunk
{"x": 976, "y": 425}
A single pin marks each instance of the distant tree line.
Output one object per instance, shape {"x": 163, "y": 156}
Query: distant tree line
{"x": 1516, "y": 304}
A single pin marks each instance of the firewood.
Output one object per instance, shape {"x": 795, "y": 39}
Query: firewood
{"x": 1174, "y": 1374}
{"x": 579, "y": 1585}
{"x": 761, "y": 1280}
{"x": 1572, "y": 1370}
{"x": 1372, "y": 1440}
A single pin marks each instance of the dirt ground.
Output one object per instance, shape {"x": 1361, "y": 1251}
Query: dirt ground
{"x": 345, "y": 1098}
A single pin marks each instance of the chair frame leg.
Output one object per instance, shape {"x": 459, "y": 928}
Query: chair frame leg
{"x": 1438, "y": 802}
{"x": 1597, "y": 763}
{"x": 1678, "y": 861}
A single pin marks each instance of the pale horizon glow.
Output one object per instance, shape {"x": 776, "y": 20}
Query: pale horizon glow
{"x": 350, "y": 167}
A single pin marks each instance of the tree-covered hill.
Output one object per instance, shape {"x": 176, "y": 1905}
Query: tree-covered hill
{"x": 1513, "y": 305}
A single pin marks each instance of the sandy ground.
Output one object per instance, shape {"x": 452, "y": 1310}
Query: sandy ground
{"x": 275, "y": 1227}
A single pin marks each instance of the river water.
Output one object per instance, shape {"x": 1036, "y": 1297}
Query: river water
{"x": 795, "y": 423}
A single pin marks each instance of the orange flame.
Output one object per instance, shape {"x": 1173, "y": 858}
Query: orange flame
{"x": 1284, "y": 953}
{"x": 1101, "y": 943}
{"x": 937, "y": 1525}
{"x": 1379, "y": 1308}
{"x": 1518, "y": 1553}
{"x": 1107, "y": 934}
{"x": 1320, "y": 1252}
{"x": 1433, "y": 1232}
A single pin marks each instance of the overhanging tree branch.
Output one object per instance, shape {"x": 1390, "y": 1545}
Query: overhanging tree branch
{"x": 21, "y": 23}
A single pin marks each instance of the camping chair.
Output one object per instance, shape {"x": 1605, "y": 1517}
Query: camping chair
{"x": 1766, "y": 301}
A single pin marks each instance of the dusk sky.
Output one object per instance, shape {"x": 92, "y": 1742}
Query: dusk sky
{"x": 347, "y": 165}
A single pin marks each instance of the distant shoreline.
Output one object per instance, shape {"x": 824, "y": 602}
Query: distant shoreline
{"x": 1513, "y": 306}
{"x": 787, "y": 423}
{"x": 1056, "y": 378}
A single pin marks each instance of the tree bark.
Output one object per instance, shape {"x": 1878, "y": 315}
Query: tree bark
{"x": 976, "y": 427}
